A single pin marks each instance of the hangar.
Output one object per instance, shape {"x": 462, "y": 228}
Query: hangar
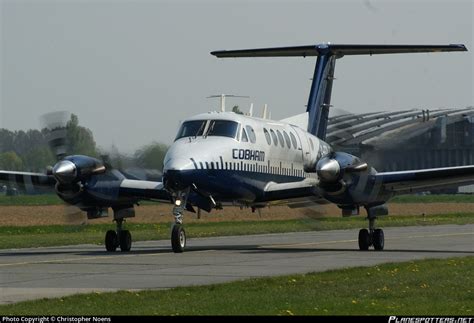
{"x": 407, "y": 139}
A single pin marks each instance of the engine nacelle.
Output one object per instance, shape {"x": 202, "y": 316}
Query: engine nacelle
{"x": 73, "y": 169}
{"x": 333, "y": 168}
{"x": 69, "y": 193}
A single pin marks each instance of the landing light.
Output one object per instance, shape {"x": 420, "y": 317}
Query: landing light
{"x": 177, "y": 202}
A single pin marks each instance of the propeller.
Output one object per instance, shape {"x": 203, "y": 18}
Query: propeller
{"x": 332, "y": 168}
{"x": 56, "y": 123}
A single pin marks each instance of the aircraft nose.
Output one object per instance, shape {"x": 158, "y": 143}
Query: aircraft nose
{"x": 176, "y": 174}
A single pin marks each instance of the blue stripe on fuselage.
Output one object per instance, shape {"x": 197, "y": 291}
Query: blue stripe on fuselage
{"x": 233, "y": 185}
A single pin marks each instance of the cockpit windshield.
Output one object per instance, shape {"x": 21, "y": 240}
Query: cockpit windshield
{"x": 223, "y": 128}
{"x": 191, "y": 129}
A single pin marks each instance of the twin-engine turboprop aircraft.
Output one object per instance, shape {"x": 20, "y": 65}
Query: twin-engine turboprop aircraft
{"x": 222, "y": 157}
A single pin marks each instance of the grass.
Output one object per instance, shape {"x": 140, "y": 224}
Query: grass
{"x": 30, "y": 200}
{"x": 56, "y": 235}
{"x": 441, "y": 198}
{"x": 52, "y": 199}
{"x": 427, "y": 287}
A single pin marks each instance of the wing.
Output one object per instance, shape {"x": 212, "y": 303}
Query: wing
{"x": 293, "y": 190}
{"x": 27, "y": 181}
{"x": 144, "y": 190}
{"x": 412, "y": 181}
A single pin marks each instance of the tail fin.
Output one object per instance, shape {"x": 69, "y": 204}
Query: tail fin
{"x": 321, "y": 88}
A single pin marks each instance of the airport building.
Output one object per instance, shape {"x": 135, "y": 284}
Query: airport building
{"x": 408, "y": 139}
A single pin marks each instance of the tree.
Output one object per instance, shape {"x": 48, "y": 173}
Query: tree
{"x": 236, "y": 109}
{"x": 151, "y": 156}
{"x": 10, "y": 161}
{"x": 37, "y": 159}
{"x": 80, "y": 139}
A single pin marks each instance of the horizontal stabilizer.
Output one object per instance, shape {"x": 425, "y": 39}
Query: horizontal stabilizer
{"x": 338, "y": 50}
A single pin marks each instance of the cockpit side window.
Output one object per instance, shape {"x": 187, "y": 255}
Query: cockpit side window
{"x": 222, "y": 128}
{"x": 244, "y": 136}
{"x": 192, "y": 128}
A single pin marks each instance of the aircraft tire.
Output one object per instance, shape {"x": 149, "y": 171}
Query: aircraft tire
{"x": 111, "y": 240}
{"x": 125, "y": 240}
{"x": 379, "y": 240}
{"x": 364, "y": 239}
{"x": 178, "y": 238}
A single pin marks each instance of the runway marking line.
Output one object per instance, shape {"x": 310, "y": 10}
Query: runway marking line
{"x": 211, "y": 250}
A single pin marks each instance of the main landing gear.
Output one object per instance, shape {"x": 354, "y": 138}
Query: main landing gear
{"x": 372, "y": 237}
{"x": 120, "y": 237}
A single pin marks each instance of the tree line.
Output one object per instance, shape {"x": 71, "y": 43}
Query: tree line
{"x": 30, "y": 150}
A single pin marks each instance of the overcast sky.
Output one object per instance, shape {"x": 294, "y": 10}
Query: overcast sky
{"x": 132, "y": 70}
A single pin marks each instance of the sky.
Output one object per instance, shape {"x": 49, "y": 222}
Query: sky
{"x": 133, "y": 70}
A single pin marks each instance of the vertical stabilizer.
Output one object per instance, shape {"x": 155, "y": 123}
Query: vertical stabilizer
{"x": 320, "y": 95}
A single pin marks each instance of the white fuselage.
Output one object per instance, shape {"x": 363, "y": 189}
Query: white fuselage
{"x": 254, "y": 149}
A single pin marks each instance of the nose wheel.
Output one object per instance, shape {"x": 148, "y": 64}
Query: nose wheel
{"x": 178, "y": 238}
{"x": 119, "y": 238}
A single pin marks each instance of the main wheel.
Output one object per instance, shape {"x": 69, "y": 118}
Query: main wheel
{"x": 364, "y": 239}
{"x": 178, "y": 238}
{"x": 125, "y": 240}
{"x": 111, "y": 240}
{"x": 379, "y": 239}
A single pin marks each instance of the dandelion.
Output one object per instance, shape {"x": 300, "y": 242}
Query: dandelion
{"x": 354, "y": 301}
{"x": 289, "y": 312}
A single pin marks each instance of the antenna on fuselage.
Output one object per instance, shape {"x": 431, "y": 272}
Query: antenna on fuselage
{"x": 265, "y": 109}
{"x": 223, "y": 96}
{"x": 250, "y": 110}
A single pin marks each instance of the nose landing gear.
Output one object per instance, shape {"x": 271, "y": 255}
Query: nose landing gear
{"x": 178, "y": 234}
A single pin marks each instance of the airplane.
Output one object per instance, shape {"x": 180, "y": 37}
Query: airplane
{"x": 221, "y": 158}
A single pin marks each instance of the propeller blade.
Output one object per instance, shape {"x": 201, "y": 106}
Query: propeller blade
{"x": 56, "y": 123}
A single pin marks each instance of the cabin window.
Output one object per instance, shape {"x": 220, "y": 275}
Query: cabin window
{"x": 244, "y": 136}
{"x": 280, "y": 138}
{"x": 293, "y": 140}
{"x": 287, "y": 139}
{"x": 267, "y": 136}
{"x": 192, "y": 128}
{"x": 251, "y": 134}
{"x": 274, "y": 137}
{"x": 223, "y": 128}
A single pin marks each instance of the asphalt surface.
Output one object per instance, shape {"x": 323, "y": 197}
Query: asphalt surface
{"x": 52, "y": 272}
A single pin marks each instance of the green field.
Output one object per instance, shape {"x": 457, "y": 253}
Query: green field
{"x": 428, "y": 287}
{"x": 30, "y": 200}
{"x": 52, "y": 199}
{"x": 56, "y": 235}
{"x": 441, "y": 198}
